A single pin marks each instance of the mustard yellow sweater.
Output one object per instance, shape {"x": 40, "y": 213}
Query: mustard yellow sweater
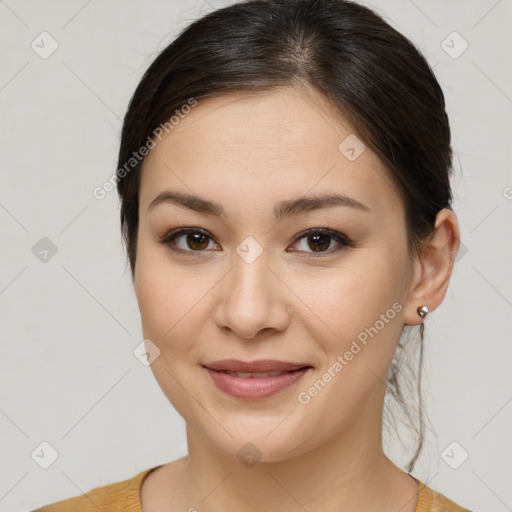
{"x": 125, "y": 496}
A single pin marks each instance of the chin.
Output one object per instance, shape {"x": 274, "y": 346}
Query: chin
{"x": 259, "y": 441}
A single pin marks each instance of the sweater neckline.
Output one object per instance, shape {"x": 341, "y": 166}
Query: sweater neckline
{"x": 139, "y": 480}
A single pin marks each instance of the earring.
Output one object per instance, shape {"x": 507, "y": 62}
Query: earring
{"x": 422, "y": 311}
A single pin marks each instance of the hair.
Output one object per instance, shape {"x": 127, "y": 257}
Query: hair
{"x": 369, "y": 72}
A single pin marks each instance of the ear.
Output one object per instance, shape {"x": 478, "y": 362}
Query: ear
{"x": 432, "y": 267}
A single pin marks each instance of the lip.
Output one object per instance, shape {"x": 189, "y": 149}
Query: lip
{"x": 255, "y": 388}
{"x": 259, "y": 366}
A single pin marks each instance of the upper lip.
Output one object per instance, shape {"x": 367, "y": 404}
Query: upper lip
{"x": 262, "y": 365}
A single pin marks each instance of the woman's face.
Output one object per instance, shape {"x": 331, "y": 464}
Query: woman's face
{"x": 250, "y": 289}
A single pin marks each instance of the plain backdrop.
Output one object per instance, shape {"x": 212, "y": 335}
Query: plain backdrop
{"x": 69, "y": 324}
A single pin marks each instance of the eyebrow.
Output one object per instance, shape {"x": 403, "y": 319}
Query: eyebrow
{"x": 281, "y": 210}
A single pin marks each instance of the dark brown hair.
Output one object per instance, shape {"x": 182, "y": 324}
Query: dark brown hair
{"x": 368, "y": 71}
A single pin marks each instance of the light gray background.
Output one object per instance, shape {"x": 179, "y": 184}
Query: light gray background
{"x": 69, "y": 326}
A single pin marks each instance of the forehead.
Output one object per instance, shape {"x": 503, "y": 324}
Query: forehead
{"x": 278, "y": 145}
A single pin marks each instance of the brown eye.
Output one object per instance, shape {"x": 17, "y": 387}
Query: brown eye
{"x": 196, "y": 241}
{"x": 190, "y": 240}
{"x": 319, "y": 241}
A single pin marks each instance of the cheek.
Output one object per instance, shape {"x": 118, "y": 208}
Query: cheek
{"x": 361, "y": 323}
{"x": 163, "y": 304}
{"x": 156, "y": 290}
{"x": 361, "y": 307}
{"x": 169, "y": 319}
{"x": 171, "y": 299}
{"x": 348, "y": 299}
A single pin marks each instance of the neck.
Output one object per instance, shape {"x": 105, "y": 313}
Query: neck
{"x": 348, "y": 472}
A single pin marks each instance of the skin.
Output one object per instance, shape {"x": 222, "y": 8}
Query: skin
{"x": 248, "y": 153}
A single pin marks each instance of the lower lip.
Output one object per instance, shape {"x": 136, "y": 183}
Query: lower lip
{"x": 253, "y": 388}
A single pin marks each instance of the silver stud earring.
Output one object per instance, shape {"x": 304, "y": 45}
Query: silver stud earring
{"x": 422, "y": 311}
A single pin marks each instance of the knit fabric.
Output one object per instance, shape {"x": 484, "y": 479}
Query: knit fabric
{"x": 125, "y": 496}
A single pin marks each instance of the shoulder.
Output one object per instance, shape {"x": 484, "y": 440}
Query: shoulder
{"x": 432, "y": 501}
{"x": 123, "y": 496}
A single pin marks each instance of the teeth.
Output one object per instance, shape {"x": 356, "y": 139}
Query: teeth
{"x": 243, "y": 375}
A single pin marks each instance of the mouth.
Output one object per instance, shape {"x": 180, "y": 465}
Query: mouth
{"x": 257, "y": 379}
{"x": 259, "y": 366}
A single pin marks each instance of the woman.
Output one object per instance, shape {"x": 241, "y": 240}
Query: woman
{"x": 286, "y": 206}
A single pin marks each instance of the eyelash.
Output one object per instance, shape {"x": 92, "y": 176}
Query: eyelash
{"x": 341, "y": 239}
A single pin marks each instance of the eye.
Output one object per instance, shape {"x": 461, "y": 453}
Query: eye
{"x": 198, "y": 240}
{"x": 320, "y": 239}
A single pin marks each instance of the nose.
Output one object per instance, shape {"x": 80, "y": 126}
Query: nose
{"x": 253, "y": 300}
